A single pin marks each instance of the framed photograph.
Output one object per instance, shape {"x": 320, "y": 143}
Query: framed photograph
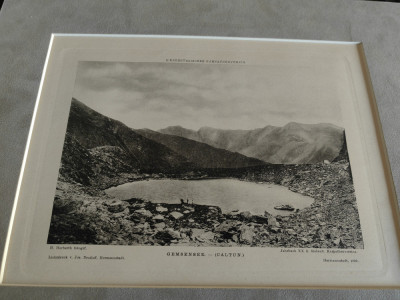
{"x": 207, "y": 162}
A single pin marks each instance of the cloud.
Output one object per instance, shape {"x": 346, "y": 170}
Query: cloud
{"x": 156, "y": 95}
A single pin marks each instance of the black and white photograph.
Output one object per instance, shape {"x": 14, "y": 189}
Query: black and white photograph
{"x": 205, "y": 155}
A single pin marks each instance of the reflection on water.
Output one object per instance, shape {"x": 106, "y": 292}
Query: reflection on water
{"x": 228, "y": 194}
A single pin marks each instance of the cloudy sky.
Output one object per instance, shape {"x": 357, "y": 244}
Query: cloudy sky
{"x": 157, "y": 95}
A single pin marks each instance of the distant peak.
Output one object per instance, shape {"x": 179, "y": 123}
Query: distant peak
{"x": 291, "y": 124}
{"x": 207, "y": 128}
{"x": 304, "y": 125}
{"x": 172, "y": 127}
{"x": 176, "y": 130}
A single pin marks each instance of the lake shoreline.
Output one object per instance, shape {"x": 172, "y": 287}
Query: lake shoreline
{"x": 226, "y": 193}
{"x": 330, "y": 222}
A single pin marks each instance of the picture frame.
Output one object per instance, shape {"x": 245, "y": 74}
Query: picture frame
{"x": 207, "y": 162}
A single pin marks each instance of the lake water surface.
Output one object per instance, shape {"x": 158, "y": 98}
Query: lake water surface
{"x": 228, "y": 194}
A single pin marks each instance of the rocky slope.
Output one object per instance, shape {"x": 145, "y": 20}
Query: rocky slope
{"x": 293, "y": 143}
{"x": 91, "y": 130}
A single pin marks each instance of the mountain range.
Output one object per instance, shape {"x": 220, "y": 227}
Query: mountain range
{"x": 96, "y": 145}
{"x": 201, "y": 154}
{"x": 293, "y": 143}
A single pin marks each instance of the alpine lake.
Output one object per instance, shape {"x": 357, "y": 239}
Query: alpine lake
{"x": 228, "y": 194}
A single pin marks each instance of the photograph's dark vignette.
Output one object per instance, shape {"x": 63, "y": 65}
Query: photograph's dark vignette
{"x": 123, "y": 186}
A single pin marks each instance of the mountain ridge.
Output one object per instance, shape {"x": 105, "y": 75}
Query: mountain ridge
{"x": 293, "y": 143}
{"x": 202, "y": 154}
{"x": 92, "y": 129}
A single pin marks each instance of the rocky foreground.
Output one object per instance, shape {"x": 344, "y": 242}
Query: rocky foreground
{"x": 84, "y": 215}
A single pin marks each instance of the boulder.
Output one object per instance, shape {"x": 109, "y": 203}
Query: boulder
{"x": 144, "y": 226}
{"x": 202, "y": 234}
{"x": 226, "y": 229}
{"x": 160, "y": 226}
{"x": 246, "y": 234}
{"x": 259, "y": 219}
{"x": 161, "y": 209}
{"x": 138, "y": 205}
{"x": 225, "y": 226}
{"x": 144, "y": 212}
{"x": 272, "y": 221}
{"x": 176, "y": 215}
{"x": 246, "y": 215}
{"x": 163, "y": 237}
{"x": 274, "y": 229}
{"x": 158, "y": 218}
{"x": 174, "y": 234}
